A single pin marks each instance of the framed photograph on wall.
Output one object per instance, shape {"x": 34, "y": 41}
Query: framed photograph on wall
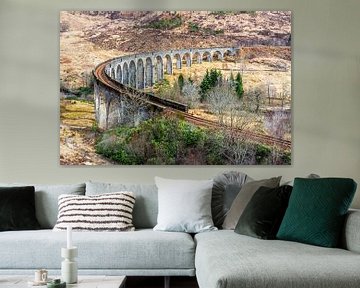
{"x": 175, "y": 88}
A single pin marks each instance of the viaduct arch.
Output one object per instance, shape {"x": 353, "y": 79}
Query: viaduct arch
{"x": 143, "y": 70}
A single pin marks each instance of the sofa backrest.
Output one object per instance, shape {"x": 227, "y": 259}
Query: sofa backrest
{"x": 146, "y": 203}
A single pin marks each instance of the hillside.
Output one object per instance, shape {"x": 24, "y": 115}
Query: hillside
{"x": 135, "y": 32}
{"x": 90, "y": 37}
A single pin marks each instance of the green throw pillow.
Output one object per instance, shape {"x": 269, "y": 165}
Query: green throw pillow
{"x": 316, "y": 211}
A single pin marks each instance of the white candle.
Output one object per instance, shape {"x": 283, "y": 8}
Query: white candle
{"x": 69, "y": 239}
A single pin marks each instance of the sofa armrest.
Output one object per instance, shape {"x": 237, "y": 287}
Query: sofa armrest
{"x": 351, "y": 234}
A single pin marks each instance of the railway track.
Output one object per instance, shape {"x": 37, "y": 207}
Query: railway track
{"x": 256, "y": 137}
{"x": 181, "y": 110}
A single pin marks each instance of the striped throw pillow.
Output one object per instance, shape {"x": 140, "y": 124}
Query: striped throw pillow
{"x": 105, "y": 212}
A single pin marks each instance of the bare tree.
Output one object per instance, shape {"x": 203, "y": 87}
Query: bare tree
{"x": 270, "y": 89}
{"x": 236, "y": 120}
{"x": 285, "y": 93}
{"x": 237, "y": 149}
{"x": 190, "y": 92}
{"x": 132, "y": 108}
{"x": 255, "y": 98}
{"x": 242, "y": 64}
{"x": 87, "y": 79}
{"x": 277, "y": 122}
{"x": 222, "y": 99}
{"x": 168, "y": 91}
{"x": 231, "y": 111}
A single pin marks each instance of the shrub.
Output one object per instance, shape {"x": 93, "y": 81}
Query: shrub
{"x": 169, "y": 140}
{"x": 165, "y": 24}
{"x": 156, "y": 141}
{"x": 262, "y": 154}
{"x": 83, "y": 91}
{"x": 210, "y": 31}
{"x": 193, "y": 27}
{"x": 64, "y": 27}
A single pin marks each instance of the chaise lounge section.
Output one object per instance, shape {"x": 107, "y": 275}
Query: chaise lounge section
{"x": 225, "y": 259}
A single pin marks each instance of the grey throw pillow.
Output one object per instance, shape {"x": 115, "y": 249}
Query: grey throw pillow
{"x": 242, "y": 199}
{"x": 226, "y": 187}
{"x": 184, "y": 205}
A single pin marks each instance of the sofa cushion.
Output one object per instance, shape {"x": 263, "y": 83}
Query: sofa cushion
{"x": 105, "y": 212}
{"x": 243, "y": 198}
{"x": 46, "y": 200}
{"x": 317, "y": 209}
{"x": 263, "y": 215}
{"x": 184, "y": 205}
{"x": 137, "y": 250}
{"x": 146, "y": 205}
{"x": 17, "y": 208}
{"x": 225, "y": 189}
{"x": 225, "y": 259}
{"x": 350, "y": 239}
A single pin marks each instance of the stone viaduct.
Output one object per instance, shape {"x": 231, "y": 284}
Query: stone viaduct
{"x": 123, "y": 102}
{"x": 143, "y": 70}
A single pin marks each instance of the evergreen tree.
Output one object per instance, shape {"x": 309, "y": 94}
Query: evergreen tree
{"x": 232, "y": 80}
{"x": 239, "y": 89}
{"x": 210, "y": 80}
{"x": 215, "y": 77}
{"x": 204, "y": 86}
{"x": 181, "y": 82}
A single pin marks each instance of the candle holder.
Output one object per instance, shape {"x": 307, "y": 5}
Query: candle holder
{"x": 69, "y": 271}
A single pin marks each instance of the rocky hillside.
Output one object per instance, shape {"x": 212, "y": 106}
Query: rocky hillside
{"x": 148, "y": 31}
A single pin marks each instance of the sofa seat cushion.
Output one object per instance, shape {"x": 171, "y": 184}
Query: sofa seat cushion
{"x": 142, "y": 249}
{"x": 225, "y": 259}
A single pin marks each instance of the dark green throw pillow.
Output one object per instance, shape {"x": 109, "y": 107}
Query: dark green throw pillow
{"x": 263, "y": 214}
{"x": 316, "y": 211}
{"x": 17, "y": 208}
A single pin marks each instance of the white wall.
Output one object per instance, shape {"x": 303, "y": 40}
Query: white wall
{"x": 326, "y": 91}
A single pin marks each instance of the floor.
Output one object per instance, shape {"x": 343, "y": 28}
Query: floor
{"x": 158, "y": 282}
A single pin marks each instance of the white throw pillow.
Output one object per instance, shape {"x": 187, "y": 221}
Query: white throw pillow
{"x": 184, "y": 205}
{"x": 104, "y": 212}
